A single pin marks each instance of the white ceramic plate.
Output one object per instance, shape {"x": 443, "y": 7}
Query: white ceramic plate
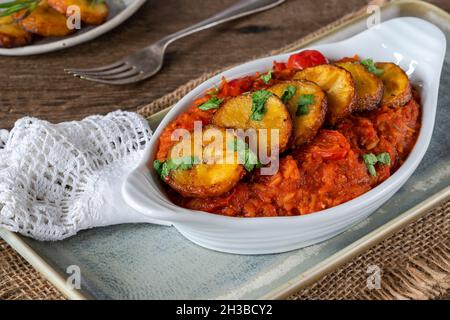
{"x": 119, "y": 11}
{"x": 416, "y": 45}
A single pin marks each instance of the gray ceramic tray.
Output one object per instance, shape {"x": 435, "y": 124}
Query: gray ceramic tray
{"x": 155, "y": 262}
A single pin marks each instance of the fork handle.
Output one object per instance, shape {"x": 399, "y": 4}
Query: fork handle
{"x": 241, "y": 9}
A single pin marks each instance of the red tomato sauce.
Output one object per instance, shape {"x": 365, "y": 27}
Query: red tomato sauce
{"x": 321, "y": 174}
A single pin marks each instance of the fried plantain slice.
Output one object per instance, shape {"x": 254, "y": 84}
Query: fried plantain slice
{"x": 306, "y": 124}
{"x": 339, "y": 86}
{"x": 369, "y": 87}
{"x": 214, "y": 168}
{"x": 238, "y": 113}
{"x": 44, "y": 21}
{"x": 91, "y": 12}
{"x": 12, "y": 34}
{"x": 397, "y": 89}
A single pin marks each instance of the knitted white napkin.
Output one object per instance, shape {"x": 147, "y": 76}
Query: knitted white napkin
{"x": 57, "y": 179}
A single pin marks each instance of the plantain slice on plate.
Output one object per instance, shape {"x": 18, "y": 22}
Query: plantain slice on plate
{"x": 44, "y": 21}
{"x": 397, "y": 89}
{"x": 12, "y": 34}
{"x": 205, "y": 165}
{"x": 339, "y": 86}
{"x": 91, "y": 12}
{"x": 369, "y": 87}
{"x": 262, "y": 111}
{"x": 307, "y": 104}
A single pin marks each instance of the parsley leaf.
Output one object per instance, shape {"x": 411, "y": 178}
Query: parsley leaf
{"x": 166, "y": 167}
{"x": 288, "y": 93}
{"x": 372, "y": 170}
{"x": 259, "y": 99}
{"x": 303, "y": 103}
{"x": 212, "y": 103}
{"x": 246, "y": 156}
{"x": 157, "y": 165}
{"x": 384, "y": 158}
{"x": 163, "y": 168}
{"x": 266, "y": 77}
{"x": 370, "y": 66}
{"x": 371, "y": 160}
{"x": 185, "y": 163}
{"x": 8, "y": 8}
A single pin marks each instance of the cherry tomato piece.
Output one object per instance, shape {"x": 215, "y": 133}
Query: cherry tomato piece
{"x": 306, "y": 59}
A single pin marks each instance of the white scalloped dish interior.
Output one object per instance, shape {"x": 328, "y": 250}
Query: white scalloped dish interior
{"x": 414, "y": 44}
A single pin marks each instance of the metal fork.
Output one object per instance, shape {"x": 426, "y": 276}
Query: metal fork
{"x": 145, "y": 63}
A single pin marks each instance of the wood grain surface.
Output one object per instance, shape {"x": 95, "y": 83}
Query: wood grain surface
{"x": 37, "y": 86}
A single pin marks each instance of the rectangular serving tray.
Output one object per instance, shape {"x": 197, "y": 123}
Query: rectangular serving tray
{"x": 142, "y": 261}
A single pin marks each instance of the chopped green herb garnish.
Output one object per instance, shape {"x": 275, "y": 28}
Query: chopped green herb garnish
{"x": 371, "y": 160}
{"x": 246, "y": 156}
{"x": 8, "y": 8}
{"x": 13, "y": 6}
{"x": 384, "y": 158}
{"x": 163, "y": 168}
{"x": 157, "y": 165}
{"x": 185, "y": 163}
{"x": 212, "y": 103}
{"x": 303, "y": 103}
{"x": 371, "y": 67}
{"x": 302, "y": 110}
{"x": 372, "y": 170}
{"x": 166, "y": 167}
{"x": 266, "y": 77}
{"x": 259, "y": 99}
{"x": 288, "y": 93}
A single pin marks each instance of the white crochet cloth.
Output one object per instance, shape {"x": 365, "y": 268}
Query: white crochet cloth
{"x": 57, "y": 179}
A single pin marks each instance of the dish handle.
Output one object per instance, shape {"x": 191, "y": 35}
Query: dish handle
{"x": 142, "y": 194}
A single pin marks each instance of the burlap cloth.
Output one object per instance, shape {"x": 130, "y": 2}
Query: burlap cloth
{"x": 415, "y": 262}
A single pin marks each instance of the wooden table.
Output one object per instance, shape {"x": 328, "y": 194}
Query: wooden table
{"x": 37, "y": 86}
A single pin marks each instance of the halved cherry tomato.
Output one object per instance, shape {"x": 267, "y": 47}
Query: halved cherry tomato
{"x": 306, "y": 59}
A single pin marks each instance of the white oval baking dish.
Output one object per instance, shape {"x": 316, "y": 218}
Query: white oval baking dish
{"x": 414, "y": 44}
